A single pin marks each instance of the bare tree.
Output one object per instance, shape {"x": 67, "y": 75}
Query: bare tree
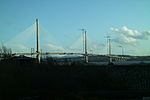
{"x": 0, "y": 52}
{"x": 5, "y": 52}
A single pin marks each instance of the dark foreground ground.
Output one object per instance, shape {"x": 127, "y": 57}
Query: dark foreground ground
{"x": 79, "y": 82}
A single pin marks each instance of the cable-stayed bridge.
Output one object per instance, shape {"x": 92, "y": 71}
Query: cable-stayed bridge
{"x": 35, "y": 40}
{"x": 24, "y": 41}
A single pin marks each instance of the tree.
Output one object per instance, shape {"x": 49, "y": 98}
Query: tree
{"x": 5, "y": 52}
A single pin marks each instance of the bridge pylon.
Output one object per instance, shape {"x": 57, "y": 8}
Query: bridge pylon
{"x": 37, "y": 41}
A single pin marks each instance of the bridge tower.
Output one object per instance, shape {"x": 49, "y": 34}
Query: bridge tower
{"x": 85, "y": 45}
{"x": 37, "y": 41}
{"x": 86, "y": 54}
{"x": 109, "y": 49}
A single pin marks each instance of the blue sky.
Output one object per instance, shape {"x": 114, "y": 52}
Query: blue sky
{"x": 124, "y": 20}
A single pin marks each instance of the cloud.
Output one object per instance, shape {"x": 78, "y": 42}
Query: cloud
{"x": 124, "y": 35}
{"x": 125, "y": 40}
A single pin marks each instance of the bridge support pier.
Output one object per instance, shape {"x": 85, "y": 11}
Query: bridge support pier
{"x": 38, "y": 58}
{"x": 86, "y": 59}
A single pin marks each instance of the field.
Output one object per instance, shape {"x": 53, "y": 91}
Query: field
{"x": 80, "y": 82}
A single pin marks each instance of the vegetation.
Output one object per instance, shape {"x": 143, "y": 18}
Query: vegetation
{"x": 47, "y": 81}
{"x": 5, "y": 53}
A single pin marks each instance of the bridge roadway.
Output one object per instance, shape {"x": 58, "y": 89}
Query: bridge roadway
{"x": 49, "y": 53}
{"x": 114, "y": 57}
{"x": 54, "y": 53}
{"x": 65, "y": 53}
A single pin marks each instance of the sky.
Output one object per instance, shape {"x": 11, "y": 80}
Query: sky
{"x": 126, "y": 21}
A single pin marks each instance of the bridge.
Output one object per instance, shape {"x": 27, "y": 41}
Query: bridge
{"x": 85, "y": 50}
